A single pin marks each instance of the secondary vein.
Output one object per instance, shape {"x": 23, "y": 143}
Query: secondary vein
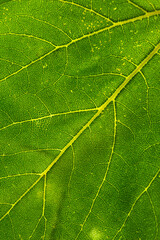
{"x": 120, "y": 23}
{"x": 97, "y": 114}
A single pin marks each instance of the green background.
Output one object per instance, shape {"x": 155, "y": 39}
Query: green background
{"x": 79, "y": 120}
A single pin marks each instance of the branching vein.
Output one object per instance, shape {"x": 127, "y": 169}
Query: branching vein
{"x": 95, "y": 116}
{"x": 49, "y": 116}
{"x": 116, "y": 24}
{"x": 133, "y": 205}
{"x": 105, "y": 176}
{"x": 87, "y": 9}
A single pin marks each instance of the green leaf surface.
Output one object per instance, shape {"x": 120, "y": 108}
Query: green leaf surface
{"x": 80, "y": 120}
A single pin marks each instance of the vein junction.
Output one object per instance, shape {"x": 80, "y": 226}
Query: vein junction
{"x": 95, "y": 116}
{"x": 116, "y": 24}
{"x": 98, "y": 110}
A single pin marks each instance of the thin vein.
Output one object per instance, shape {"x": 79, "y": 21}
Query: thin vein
{"x": 27, "y": 65}
{"x": 45, "y": 22}
{"x": 153, "y": 145}
{"x": 88, "y": 9}
{"x": 9, "y": 61}
{"x": 48, "y": 116}
{"x": 12, "y": 226}
{"x": 35, "y": 228}
{"x": 126, "y": 108}
{"x": 133, "y": 205}
{"x": 28, "y": 36}
{"x": 95, "y": 116}
{"x": 137, "y": 69}
{"x": 72, "y": 171}
{"x": 155, "y": 216}
{"x": 10, "y": 204}
{"x": 137, "y": 6}
{"x": 20, "y": 175}
{"x": 123, "y": 124}
{"x": 29, "y": 151}
{"x": 151, "y": 4}
{"x": 43, "y": 103}
{"x": 105, "y": 175}
{"x": 121, "y": 158}
{"x": 99, "y": 75}
{"x": 44, "y": 196}
{"x": 120, "y": 23}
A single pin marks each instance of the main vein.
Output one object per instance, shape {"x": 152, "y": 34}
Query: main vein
{"x": 95, "y": 116}
{"x": 116, "y": 24}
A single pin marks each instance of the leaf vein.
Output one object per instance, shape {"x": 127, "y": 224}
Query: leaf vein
{"x": 97, "y": 114}
{"x": 133, "y": 205}
{"x": 120, "y": 23}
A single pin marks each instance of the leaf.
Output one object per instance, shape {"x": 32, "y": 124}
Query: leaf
{"x": 80, "y": 114}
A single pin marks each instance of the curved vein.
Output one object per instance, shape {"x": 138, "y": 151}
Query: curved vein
{"x": 87, "y": 9}
{"x": 105, "y": 175}
{"x": 20, "y": 175}
{"x": 48, "y": 116}
{"x": 133, "y": 205}
{"x": 30, "y": 151}
{"x": 137, "y": 6}
{"x": 155, "y": 216}
{"x": 13, "y": 63}
{"x": 87, "y": 125}
{"x": 29, "y": 36}
{"x": 27, "y": 65}
{"x": 45, "y": 22}
{"x": 99, "y": 75}
{"x": 120, "y": 23}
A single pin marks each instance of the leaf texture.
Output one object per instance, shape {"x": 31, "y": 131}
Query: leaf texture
{"x": 79, "y": 120}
